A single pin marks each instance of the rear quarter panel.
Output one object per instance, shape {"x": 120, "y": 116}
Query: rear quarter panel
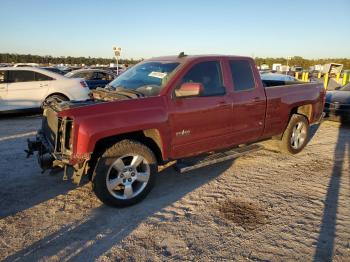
{"x": 281, "y": 100}
{"x": 70, "y": 88}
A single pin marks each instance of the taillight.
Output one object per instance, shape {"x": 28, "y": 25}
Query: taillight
{"x": 83, "y": 84}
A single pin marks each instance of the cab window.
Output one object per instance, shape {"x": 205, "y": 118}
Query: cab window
{"x": 209, "y": 75}
{"x": 242, "y": 75}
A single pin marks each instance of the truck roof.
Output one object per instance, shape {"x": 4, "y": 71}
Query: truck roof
{"x": 188, "y": 58}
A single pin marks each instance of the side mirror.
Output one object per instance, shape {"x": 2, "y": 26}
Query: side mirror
{"x": 189, "y": 89}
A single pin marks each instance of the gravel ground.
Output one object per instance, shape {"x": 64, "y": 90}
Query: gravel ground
{"x": 262, "y": 207}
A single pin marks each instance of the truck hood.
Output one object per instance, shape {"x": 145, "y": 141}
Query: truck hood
{"x": 108, "y": 106}
{"x": 98, "y": 96}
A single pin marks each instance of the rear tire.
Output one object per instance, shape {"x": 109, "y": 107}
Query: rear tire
{"x": 295, "y": 137}
{"x": 124, "y": 174}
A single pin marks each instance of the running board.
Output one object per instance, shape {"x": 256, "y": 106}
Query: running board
{"x": 191, "y": 164}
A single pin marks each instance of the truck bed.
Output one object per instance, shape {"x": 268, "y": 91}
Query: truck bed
{"x": 283, "y": 98}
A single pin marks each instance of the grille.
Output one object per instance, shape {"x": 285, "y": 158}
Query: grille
{"x": 50, "y": 126}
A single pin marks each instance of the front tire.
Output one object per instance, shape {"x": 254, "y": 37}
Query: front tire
{"x": 295, "y": 137}
{"x": 124, "y": 174}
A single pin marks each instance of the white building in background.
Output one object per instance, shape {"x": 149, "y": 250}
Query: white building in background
{"x": 284, "y": 68}
{"x": 276, "y": 67}
{"x": 264, "y": 67}
{"x": 318, "y": 67}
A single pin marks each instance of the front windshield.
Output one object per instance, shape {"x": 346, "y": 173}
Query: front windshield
{"x": 147, "y": 78}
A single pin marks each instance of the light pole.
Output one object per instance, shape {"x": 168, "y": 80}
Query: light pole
{"x": 288, "y": 58}
{"x": 116, "y": 51}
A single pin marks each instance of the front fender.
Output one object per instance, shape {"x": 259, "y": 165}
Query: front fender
{"x": 124, "y": 117}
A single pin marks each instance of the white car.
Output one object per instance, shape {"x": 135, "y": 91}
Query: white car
{"x": 23, "y": 88}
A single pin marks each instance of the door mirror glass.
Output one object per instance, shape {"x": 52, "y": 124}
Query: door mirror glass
{"x": 189, "y": 89}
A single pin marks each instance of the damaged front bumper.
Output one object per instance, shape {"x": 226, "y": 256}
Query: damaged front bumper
{"x": 54, "y": 144}
{"x": 49, "y": 159}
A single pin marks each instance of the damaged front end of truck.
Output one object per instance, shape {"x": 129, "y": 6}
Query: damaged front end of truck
{"x": 54, "y": 141}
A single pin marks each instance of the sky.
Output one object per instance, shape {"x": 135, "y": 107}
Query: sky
{"x": 149, "y": 28}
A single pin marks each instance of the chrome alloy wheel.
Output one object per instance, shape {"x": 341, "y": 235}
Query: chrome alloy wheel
{"x": 298, "y": 135}
{"x": 128, "y": 176}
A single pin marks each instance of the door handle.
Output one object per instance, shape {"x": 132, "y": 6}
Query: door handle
{"x": 256, "y": 99}
{"x": 2, "y": 88}
{"x": 221, "y": 104}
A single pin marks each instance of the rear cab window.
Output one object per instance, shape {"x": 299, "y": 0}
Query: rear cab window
{"x": 242, "y": 75}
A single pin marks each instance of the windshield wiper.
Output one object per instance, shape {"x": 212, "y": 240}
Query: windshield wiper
{"x": 109, "y": 87}
{"x": 132, "y": 91}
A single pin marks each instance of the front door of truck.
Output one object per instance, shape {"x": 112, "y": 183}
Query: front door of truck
{"x": 249, "y": 102}
{"x": 200, "y": 123}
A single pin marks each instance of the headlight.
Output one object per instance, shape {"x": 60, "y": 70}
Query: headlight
{"x": 68, "y": 134}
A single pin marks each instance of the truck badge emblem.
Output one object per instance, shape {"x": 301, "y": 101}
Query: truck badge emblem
{"x": 183, "y": 133}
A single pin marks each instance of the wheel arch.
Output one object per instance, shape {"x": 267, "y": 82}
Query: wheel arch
{"x": 150, "y": 138}
{"x": 57, "y": 94}
{"x": 305, "y": 110}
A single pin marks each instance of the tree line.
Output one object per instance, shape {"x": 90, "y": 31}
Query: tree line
{"x": 22, "y": 58}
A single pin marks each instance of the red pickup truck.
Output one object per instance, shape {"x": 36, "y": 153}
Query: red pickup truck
{"x": 172, "y": 108}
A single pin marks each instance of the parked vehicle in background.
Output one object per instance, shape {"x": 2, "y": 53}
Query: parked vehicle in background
{"x": 270, "y": 79}
{"x": 337, "y": 106}
{"x": 26, "y": 65}
{"x": 173, "y": 108}
{"x": 65, "y": 69}
{"x": 332, "y": 68}
{"x": 54, "y": 69}
{"x": 297, "y": 68}
{"x": 93, "y": 77}
{"x": 118, "y": 70}
{"x": 26, "y": 88}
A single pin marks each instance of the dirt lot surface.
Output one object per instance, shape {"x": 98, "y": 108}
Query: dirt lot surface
{"x": 262, "y": 207}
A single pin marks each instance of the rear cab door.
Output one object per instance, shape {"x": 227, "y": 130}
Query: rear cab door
{"x": 248, "y": 100}
{"x": 3, "y": 89}
{"x": 201, "y": 123}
